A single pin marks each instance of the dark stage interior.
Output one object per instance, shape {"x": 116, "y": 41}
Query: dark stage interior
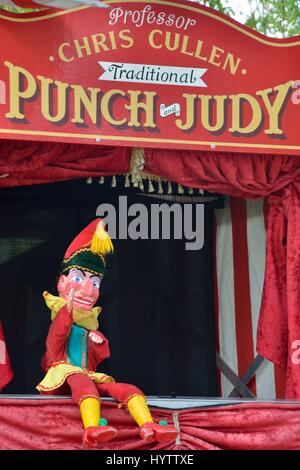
{"x": 157, "y": 297}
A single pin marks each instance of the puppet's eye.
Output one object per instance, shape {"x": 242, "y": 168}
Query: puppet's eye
{"x": 77, "y": 279}
{"x": 96, "y": 283}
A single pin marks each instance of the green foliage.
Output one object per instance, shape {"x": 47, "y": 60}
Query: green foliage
{"x": 280, "y": 18}
{"x": 15, "y": 10}
{"x": 275, "y": 18}
{"x": 220, "y": 5}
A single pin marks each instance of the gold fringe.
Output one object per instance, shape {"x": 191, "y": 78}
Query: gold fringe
{"x": 113, "y": 182}
{"x": 138, "y": 176}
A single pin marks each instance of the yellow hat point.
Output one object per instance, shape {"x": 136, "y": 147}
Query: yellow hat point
{"x": 101, "y": 242}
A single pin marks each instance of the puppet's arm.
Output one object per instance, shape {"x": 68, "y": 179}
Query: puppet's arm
{"x": 58, "y": 334}
{"x": 98, "y": 349}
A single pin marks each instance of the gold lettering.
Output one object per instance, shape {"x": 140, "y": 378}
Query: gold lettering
{"x": 106, "y": 106}
{"x": 175, "y": 45}
{"x": 237, "y": 113}
{"x": 112, "y": 40}
{"x": 84, "y": 102}
{"x": 126, "y": 38}
{"x": 206, "y": 102}
{"x": 198, "y": 50}
{"x": 99, "y": 40}
{"x": 61, "y": 52}
{"x": 17, "y": 92}
{"x": 184, "y": 46}
{"x": 151, "y": 39}
{"x": 135, "y": 106}
{"x": 215, "y": 53}
{"x": 84, "y": 47}
{"x": 233, "y": 66}
{"x": 47, "y": 94}
{"x": 274, "y": 110}
{"x": 190, "y": 113}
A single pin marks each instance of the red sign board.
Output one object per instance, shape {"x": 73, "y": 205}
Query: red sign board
{"x": 158, "y": 73}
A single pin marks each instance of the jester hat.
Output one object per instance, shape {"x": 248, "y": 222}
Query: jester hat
{"x": 88, "y": 250}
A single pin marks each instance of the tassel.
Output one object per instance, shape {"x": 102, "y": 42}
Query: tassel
{"x": 191, "y": 191}
{"x": 180, "y": 189}
{"x": 127, "y": 181}
{"x": 101, "y": 180}
{"x": 150, "y": 187}
{"x": 169, "y": 187}
{"x": 101, "y": 242}
{"x": 113, "y": 182}
{"x": 89, "y": 180}
{"x": 201, "y": 191}
{"x": 141, "y": 163}
{"x": 141, "y": 185}
{"x": 160, "y": 188}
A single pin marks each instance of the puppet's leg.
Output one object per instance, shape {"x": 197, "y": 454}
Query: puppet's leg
{"x": 85, "y": 393}
{"x": 137, "y": 406}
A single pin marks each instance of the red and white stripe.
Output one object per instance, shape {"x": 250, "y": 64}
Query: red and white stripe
{"x": 60, "y": 4}
{"x": 240, "y": 265}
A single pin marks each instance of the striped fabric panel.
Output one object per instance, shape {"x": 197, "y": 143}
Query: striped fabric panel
{"x": 240, "y": 259}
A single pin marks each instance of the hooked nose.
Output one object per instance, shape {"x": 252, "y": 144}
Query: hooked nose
{"x": 87, "y": 286}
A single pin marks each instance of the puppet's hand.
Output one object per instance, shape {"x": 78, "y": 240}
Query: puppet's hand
{"x": 96, "y": 337}
{"x": 71, "y": 300}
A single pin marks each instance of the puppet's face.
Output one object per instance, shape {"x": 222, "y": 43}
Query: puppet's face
{"x": 85, "y": 285}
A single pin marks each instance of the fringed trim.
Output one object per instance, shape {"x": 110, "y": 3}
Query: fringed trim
{"x": 113, "y": 182}
{"x": 175, "y": 417}
{"x": 136, "y": 177}
{"x": 137, "y": 165}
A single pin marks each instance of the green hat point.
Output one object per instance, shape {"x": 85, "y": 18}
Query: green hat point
{"x": 103, "y": 422}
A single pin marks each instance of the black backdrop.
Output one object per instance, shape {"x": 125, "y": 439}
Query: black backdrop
{"x": 157, "y": 298}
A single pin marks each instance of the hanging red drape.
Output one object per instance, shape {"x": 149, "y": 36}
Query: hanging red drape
{"x": 239, "y": 175}
{"x": 251, "y": 176}
{"x": 6, "y": 373}
{"x": 25, "y": 162}
{"x": 56, "y": 425}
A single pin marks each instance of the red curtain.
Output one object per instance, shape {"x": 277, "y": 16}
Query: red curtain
{"x": 55, "y": 424}
{"x": 250, "y": 176}
{"x": 240, "y": 175}
{"x": 25, "y": 162}
{"x": 6, "y": 373}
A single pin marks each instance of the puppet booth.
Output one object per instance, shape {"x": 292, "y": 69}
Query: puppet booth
{"x": 125, "y": 108}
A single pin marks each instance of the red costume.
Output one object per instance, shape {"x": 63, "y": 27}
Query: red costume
{"x": 75, "y": 347}
{"x": 82, "y": 385}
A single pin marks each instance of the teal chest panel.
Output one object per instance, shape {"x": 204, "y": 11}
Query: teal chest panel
{"x": 77, "y": 346}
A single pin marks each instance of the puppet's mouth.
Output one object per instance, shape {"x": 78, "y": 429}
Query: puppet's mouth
{"x": 83, "y": 301}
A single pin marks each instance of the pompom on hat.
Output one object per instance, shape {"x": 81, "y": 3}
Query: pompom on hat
{"x": 88, "y": 250}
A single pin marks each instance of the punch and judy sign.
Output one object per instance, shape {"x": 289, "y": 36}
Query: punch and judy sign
{"x": 158, "y": 73}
